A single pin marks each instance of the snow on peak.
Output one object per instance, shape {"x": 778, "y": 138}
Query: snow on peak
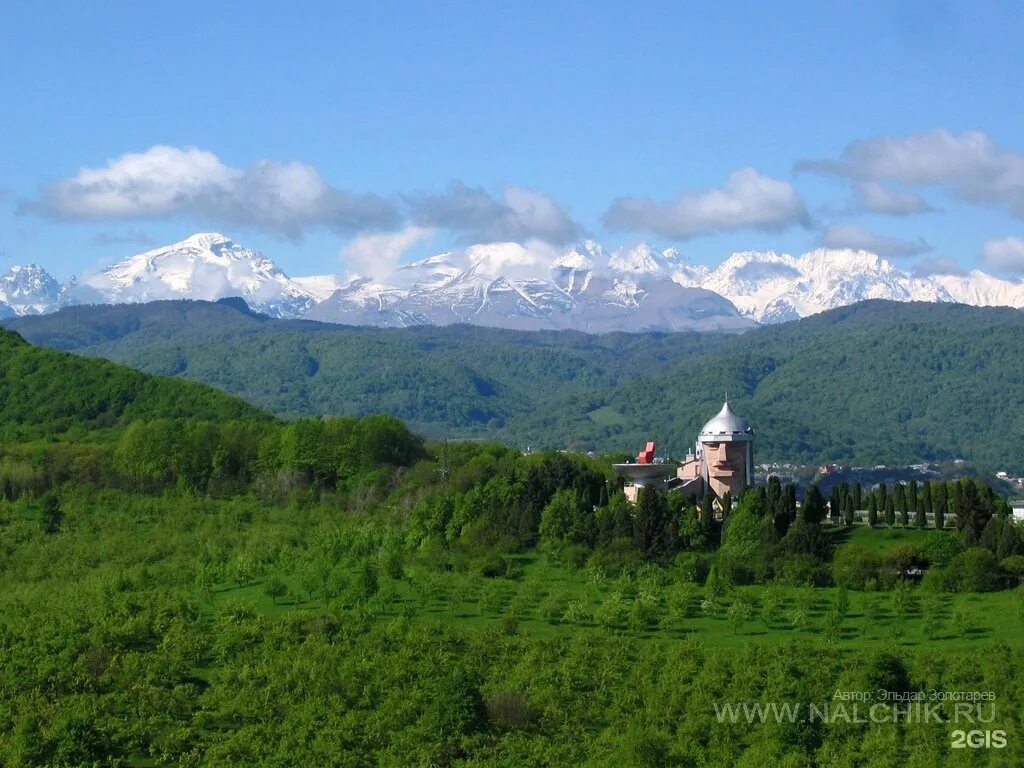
{"x": 206, "y": 266}
{"x": 31, "y": 290}
{"x": 642, "y": 257}
{"x": 517, "y": 285}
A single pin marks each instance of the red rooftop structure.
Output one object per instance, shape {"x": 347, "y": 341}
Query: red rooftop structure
{"x": 646, "y": 456}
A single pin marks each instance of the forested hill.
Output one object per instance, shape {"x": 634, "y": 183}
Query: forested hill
{"x": 458, "y": 380}
{"x": 873, "y": 382}
{"x": 47, "y": 394}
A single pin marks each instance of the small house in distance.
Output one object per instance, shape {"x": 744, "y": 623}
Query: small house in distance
{"x": 1017, "y": 507}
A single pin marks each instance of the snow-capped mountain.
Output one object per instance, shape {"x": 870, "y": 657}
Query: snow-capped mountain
{"x": 30, "y": 290}
{"x": 982, "y": 290}
{"x": 584, "y": 287}
{"x": 772, "y": 287}
{"x": 205, "y": 266}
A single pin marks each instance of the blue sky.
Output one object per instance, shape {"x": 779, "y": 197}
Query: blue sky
{"x": 713, "y": 127}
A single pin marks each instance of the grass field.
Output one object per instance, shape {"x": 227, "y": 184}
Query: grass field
{"x": 880, "y": 540}
{"x": 549, "y": 598}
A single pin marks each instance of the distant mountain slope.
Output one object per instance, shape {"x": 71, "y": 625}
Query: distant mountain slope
{"x": 870, "y": 383}
{"x": 459, "y": 380}
{"x": 31, "y": 290}
{"x": 205, "y": 266}
{"x": 635, "y": 288}
{"x": 47, "y": 394}
{"x": 877, "y": 381}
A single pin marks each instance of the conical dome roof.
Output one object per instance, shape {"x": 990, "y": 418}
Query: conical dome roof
{"x": 727, "y": 424}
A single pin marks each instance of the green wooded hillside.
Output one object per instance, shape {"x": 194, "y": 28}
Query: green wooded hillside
{"x": 874, "y": 382}
{"x": 47, "y": 394}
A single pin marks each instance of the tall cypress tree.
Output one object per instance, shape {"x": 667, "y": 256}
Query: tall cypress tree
{"x": 901, "y": 498}
{"x": 926, "y": 498}
{"x": 890, "y": 512}
{"x": 773, "y": 493}
{"x": 848, "y": 513}
{"x": 882, "y": 495}
{"x": 920, "y": 521}
{"x": 835, "y": 503}
{"x": 872, "y": 511}
{"x": 858, "y": 496}
{"x": 912, "y": 496}
{"x": 813, "y": 508}
{"x": 791, "y": 501}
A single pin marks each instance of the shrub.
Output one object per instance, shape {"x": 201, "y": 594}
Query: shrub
{"x": 854, "y": 567}
{"x": 906, "y": 557}
{"x": 936, "y": 580}
{"x": 618, "y": 557}
{"x": 804, "y": 571}
{"x": 492, "y": 566}
{"x": 974, "y": 570}
{"x": 1014, "y": 565}
{"x": 940, "y": 547}
{"x": 692, "y": 567}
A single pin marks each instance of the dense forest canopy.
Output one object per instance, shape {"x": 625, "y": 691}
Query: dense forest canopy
{"x": 188, "y": 581}
{"x": 51, "y": 394}
{"x": 870, "y": 383}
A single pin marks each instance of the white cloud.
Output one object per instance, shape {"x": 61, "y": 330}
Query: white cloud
{"x": 1006, "y": 255}
{"x": 170, "y": 181}
{"x": 512, "y": 260}
{"x": 377, "y": 255}
{"x": 858, "y": 238}
{"x": 971, "y": 164}
{"x": 874, "y": 197}
{"x": 520, "y": 215}
{"x": 748, "y": 200}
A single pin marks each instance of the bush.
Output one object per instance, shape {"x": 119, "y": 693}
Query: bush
{"x": 854, "y": 567}
{"x": 936, "y": 580}
{"x": 905, "y": 557}
{"x": 692, "y": 567}
{"x": 1014, "y": 565}
{"x": 940, "y": 547}
{"x": 974, "y": 570}
{"x": 492, "y": 566}
{"x": 618, "y": 557}
{"x": 804, "y": 571}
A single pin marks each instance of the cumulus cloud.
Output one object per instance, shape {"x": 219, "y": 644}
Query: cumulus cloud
{"x": 748, "y": 200}
{"x": 377, "y": 255}
{"x": 938, "y": 266}
{"x": 858, "y": 238}
{"x": 167, "y": 181}
{"x": 520, "y": 215}
{"x": 1006, "y": 255}
{"x": 873, "y": 197}
{"x": 512, "y": 260}
{"x": 971, "y": 164}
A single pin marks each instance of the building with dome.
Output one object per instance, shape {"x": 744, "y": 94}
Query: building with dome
{"x": 721, "y": 461}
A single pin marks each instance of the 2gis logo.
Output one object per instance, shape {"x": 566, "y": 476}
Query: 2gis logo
{"x": 978, "y": 739}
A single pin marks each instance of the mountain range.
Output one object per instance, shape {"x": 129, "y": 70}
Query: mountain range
{"x": 639, "y": 288}
{"x": 875, "y": 382}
